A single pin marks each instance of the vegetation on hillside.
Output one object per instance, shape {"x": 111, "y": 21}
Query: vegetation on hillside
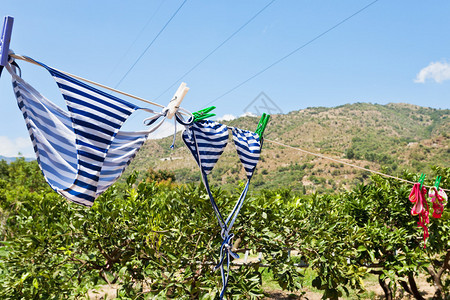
{"x": 390, "y": 138}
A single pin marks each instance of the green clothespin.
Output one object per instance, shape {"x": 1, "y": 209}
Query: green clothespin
{"x": 437, "y": 182}
{"x": 203, "y": 113}
{"x": 421, "y": 179}
{"x": 262, "y": 124}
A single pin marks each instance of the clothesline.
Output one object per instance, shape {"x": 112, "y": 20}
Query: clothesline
{"x": 20, "y": 57}
{"x": 91, "y": 82}
{"x": 346, "y": 163}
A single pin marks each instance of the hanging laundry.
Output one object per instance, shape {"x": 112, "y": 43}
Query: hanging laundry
{"x": 439, "y": 200}
{"x": 420, "y": 208}
{"x": 248, "y": 147}
{"x": 207, "y": 140}
{"x": 82, "y": 151}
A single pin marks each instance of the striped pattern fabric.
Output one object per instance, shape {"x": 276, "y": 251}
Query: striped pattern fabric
{"x": 248, "y": 147}
{"x": 80, "y": 152}
{"x": 122, "y": 151}
{"x": 206, "y": 140}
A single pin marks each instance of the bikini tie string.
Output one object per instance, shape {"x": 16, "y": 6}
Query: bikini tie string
{"x": 225, "y": 253}
{"x": 178, "y": 119}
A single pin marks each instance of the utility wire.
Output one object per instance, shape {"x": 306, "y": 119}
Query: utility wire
{"x": 217, "y": 48}
{"x": 151, "y": 43}
{"x": 136, "y": 39}
{"x": 345, "y": 163}
{"x": 294, "y": 51}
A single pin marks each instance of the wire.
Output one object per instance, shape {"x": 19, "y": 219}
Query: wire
{"x": 30, "y": 60}
{"x": 151, "y": 43}
{"x": 136, "y": 39}
{"x": 217, "y": 48}
{"x": 345, "y": 163}
{"x": 294, "y": 51}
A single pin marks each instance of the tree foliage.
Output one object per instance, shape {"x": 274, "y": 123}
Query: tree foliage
{"x": 158, "y": 239}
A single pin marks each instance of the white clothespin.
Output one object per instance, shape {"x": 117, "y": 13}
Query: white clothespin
{"x": 174, "y": 104}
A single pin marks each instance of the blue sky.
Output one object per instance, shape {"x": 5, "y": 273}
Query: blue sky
{"x": 394, "y": 51}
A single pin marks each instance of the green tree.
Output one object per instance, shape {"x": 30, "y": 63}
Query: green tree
{"x": 161, "y": 240}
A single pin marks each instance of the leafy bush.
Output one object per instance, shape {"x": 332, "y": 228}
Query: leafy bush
{"x": 158, "y": 239}
{"x": 152, "y": 238}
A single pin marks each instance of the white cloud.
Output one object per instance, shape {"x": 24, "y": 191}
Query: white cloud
{"x": 437, "y": 71}
{"x": 227, "y": 117}
{"x": 248, "y": 114}
{"x": 11, "y": 147}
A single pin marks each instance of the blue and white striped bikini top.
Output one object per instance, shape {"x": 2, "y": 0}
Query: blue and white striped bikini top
{"x": 207, "y": 140}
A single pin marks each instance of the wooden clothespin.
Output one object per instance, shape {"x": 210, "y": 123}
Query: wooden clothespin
{"x": 174, "y": 104}
{"x": 5, "y": 39}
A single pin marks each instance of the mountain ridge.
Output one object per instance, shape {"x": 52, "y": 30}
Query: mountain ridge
{"x": 393, "y": 137}
{"x": 9, "y": 159}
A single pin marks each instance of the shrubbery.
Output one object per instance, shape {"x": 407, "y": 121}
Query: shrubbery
{"x": 157, "y": 239}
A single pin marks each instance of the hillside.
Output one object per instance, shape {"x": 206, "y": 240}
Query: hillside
{"x": 392, "y": 137}
{"x": 11, "y": 159}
